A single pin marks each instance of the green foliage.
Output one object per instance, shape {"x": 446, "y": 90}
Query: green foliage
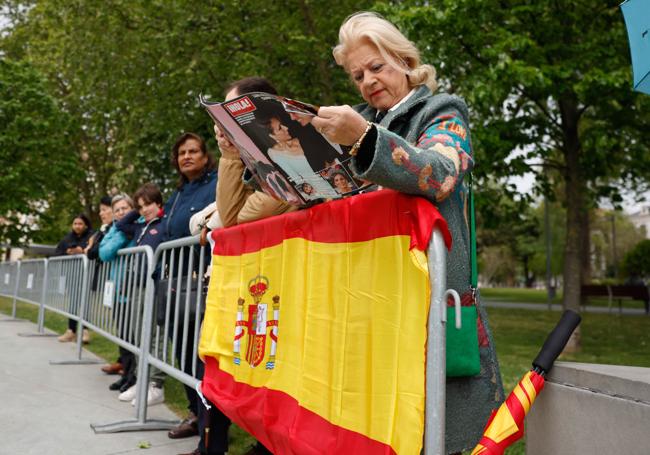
{"x": 549, "y": 84}
{"x": 34, "y": 154}
{"x": 128, "y": 73}
{"x": 636, "y": 263}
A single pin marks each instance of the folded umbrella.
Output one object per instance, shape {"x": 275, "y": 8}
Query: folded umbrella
{"x": 637, "y": 20}
{"x": 506, "y": 424}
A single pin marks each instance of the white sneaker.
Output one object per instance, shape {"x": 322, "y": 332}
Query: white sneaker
{"x": 128, "y": 394}
{"x": 155, "y": 395}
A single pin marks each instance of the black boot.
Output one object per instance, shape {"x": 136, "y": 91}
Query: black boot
{"x": 117, "y": 385}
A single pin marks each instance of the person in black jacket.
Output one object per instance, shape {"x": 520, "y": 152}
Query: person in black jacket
{"x": 75, "y": 242}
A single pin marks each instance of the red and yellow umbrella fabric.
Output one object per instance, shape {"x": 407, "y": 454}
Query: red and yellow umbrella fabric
{"x": 506, "y": 425}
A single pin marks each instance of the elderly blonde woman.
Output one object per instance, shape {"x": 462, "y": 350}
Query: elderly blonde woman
{"x": 411, "y": 140}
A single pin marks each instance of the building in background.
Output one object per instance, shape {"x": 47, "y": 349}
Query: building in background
{"x": 641, "y": 219}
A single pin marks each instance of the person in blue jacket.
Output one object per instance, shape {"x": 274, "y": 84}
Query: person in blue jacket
{"x": 145, "y": 227}
{"x": 197, "y": 184}
{"x": 195, "y": 190}
{"x": 113, "y": 241}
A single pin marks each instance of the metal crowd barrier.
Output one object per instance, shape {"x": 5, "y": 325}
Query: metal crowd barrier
{"x": 171, "y": 326}
{"x": 31, "y": 286}
{"x": 179, "y": 312}
{"x": 140, "y": 301}
{"x": 121, "y": 309}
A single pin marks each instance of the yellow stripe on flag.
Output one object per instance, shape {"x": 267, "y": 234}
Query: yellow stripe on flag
{"x": 351, "y": 331}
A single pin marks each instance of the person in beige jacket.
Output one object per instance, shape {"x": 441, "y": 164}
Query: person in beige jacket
{"x": 238, "y": 203}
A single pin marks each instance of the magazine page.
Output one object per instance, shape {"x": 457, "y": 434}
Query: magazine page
{"x": 277, "y": 131}
{"x": 268, "y": 177}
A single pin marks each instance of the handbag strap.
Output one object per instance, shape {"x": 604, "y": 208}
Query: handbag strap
{"x": 472, "y": 237}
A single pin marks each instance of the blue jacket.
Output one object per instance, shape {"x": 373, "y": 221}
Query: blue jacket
{"x": 141, "y": 233}
{"x": 186, "y": 201}
{"x": 111, "y": 243}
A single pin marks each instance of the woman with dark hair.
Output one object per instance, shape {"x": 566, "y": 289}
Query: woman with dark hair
{"x": 75, "y": 242}
{"x": 197, "y": 183}
{"x": 196, "y": 189}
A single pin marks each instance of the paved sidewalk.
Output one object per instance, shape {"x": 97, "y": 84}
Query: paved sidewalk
{"x": 47, "y": 409}
{"x": 557, "y": 307}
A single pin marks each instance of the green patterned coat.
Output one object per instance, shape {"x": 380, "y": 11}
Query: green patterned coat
{"x": 423, "y": 147}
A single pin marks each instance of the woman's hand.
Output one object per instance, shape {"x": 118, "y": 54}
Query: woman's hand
{"x": 74, "y": 250}
{"x": 341, "y": 124}
{"x": 228, "y": 150}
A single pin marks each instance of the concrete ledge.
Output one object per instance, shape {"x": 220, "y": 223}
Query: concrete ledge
{"x": 589, "y": 408}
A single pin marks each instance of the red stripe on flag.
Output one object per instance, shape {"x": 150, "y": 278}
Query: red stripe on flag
{"x": 355, "y": 219}
{"x": 278, "y": 421}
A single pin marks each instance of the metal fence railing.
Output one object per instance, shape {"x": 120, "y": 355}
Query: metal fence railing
{"x": 152, "y": 304}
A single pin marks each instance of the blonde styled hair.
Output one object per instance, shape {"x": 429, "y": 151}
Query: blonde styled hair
{"x": 394, "y": 47}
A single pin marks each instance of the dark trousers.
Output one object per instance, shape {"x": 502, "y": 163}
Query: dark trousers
{"x": 72, "y": 325}
{"x": 129, "y": 365}
{"x": 192, "y": 396}
{"x": 215, "y": 440}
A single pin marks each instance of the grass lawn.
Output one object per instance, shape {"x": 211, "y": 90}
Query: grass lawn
{"x": 539, "y": 296}
{"x": 608, "y": 339}
{"x": 519, "y": 334}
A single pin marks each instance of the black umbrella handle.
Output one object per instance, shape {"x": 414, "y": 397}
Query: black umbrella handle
{"x": 556, "y": 341}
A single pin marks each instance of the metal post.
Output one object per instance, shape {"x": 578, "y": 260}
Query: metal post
{"x": 435, "y": 392}
{"x": 41, "y": 307}
{"x": 614, "y": 250}
{"x": 547, "y": 229}
{"x": 16, "y": 285}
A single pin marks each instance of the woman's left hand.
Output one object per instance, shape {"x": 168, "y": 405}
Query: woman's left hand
{"x": 341, "y": 124}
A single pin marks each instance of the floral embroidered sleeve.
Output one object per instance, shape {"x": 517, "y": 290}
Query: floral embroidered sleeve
{"x": 432, "y": 167}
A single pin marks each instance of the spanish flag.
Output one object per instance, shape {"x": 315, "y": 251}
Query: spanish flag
{"x": 315, "y": 326}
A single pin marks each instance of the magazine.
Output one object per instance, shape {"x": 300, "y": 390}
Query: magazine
{"x": 288, "y": 158}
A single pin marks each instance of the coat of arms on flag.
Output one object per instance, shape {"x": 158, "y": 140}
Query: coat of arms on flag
{"x": 256, "y": 324}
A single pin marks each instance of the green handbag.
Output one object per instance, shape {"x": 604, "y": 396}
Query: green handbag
{"x": 463, "y": 357}
{"x": 462, "y": 343}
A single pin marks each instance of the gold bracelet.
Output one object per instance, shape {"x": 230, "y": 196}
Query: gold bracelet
{"x": 357, "y": 145}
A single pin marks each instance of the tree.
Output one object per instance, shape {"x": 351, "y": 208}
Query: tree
{"x": 551, "y": 82}
{"x": 34, "y": 154}
{"x": 636, "y": 263}
{"x": 129, "y": 72}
